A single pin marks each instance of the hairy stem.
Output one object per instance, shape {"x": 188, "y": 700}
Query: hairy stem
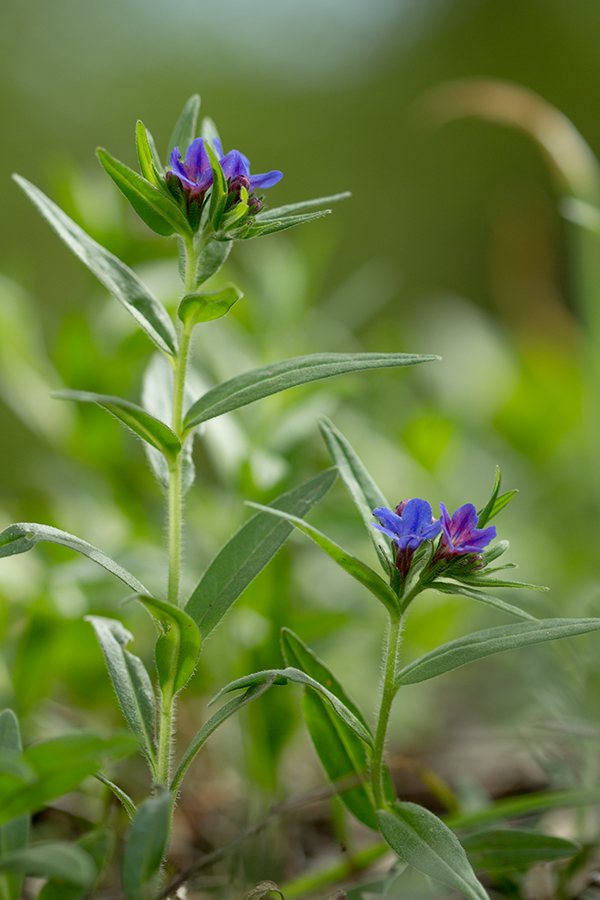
{"x": 163, "y": 767}
{"x": 387, "y": 697}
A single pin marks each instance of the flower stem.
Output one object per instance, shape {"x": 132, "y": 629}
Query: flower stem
{"x": 388, "y": 693}
{"x": 166, "y": 723}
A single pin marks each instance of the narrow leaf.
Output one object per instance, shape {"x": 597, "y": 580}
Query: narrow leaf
{"x": 361, "y": 487}
{"x": 119, "y": 793}
{"x": 489, "y": 641}
{"x": 353, "y": 566}
{"x": 248, "y": 552}
{"x": 510, "y": 848}
{"x": 218, "y": 192}
{"x": 156, "y": 208}
{"x": 23, "y": 536}
{"x": 282, "y": 676}
{"x": 146, "y": 155}
{"x": 209, "y": 131}
{"x": 452, "y": 587}
{"x": 146, "y": 845}
{"x": 110, "y": 271}
{"x": 54, "y": 859}
{"x": 228, "y": 709}
{"x": 530, "y": 804}
{"x": 130, "y": 680}
{"x": 202, "y": 307}
{"x": 342, "y": 755}
{"x": 185, "y": 129}
{"x": 211, "y": 260}
{"x": 496, "y": 503}
{"x": 178, "y": 648}
{"x": 257, "y": 229}
{"x": 146, "y": 426}
{"x": 99, "y": 844}
{"x": 280, "y": 211}
{"x": 424, "y": 842}
{"x": 288, "y": 373}
{"x": 14, "y": 835}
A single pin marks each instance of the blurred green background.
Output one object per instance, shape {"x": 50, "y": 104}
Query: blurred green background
{"x": 450, "y": 244}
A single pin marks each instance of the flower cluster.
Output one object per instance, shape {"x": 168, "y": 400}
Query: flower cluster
{"x": 413, "y": 523}
{"x": 193, "y": 176}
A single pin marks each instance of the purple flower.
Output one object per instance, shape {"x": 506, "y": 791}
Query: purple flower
{"x": 408, "y": 527}
{"x": 461, "y": 534}
{"x": 195, "y": 173}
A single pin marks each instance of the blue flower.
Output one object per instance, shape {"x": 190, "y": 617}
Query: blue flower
{"x": 408, "y": 527}
{"x": 460, "y": 532}
{"x": 195, "y": 173}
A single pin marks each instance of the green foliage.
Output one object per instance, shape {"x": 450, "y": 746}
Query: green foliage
{"x": 145, "y": 847}
{"x": 186, "y": 127}
{"x": 510, "y": 849}
{"x": 178, "y": 647}
{"x": 198, "y": 308}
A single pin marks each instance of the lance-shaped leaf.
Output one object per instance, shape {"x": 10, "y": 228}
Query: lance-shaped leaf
{"x": 177, "y": 649}
{"x": 23, "y": 536}
{"x": 257, "y": 229}
{"x": 130, "y": 680}
{"x": 54, "y": 859}
{"x": 489, "y": 641}
{"x": 208, "y": 130}
{"x": 530, "y": 804}
{"x": 116, "y": 277}
{"x": 228, "y": 709}
{"x": 211, "y": 259}
{"x": 146, "y": 846}
{"x": 156, "y": 208}
{"x": 288, "y": 373}
{"x": 361, "y": 487}
{"x": 14, "y": 835}
{"x": 185, "y": 129}
{"x": 55, "y": 767}
{"x": 150, "y": 164}
{"x": 248, "y": 552}
{"x": 361, "y": 572}
{"x": 282, "y": 676}
{"x": 204, "y": 307}
{"x": 218, "y": 191}
{"x": 425, "y": 843}
{"x": 146, "y": 426}
{"x": 99, "y": 844}
{"x": 279, "y": 212}
{"x": 341, "y": 752}
{"x": 496, "y": 503}
{"x": 452, "y": 587}
{"x": 505, "y": 849}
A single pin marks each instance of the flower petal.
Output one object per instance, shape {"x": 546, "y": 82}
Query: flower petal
{"x": 197, "y": 160}
{"x": 265, "y": 181}
{"x": 234, "y": 164}
{"x": 388, "y": 518}
{"x": 416, "y": 515}
{"x": 464, "y": 523}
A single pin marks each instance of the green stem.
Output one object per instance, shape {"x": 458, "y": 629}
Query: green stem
{"x": 387, "y": 697}
{"x": 163, "y": 767}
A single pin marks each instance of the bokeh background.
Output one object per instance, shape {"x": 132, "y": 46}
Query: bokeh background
{"x": 452, "y": 243}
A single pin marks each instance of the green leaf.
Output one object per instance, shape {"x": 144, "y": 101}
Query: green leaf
{"x": 218, "y": 192}
{"x": 496, "y": 503}
{"x": 211, "y": 259}
{"x": 280, "y": 211}
{"x": 119, "y": 793}
{"x": 130, "y": 680}
{"x": 288, "y": 373}
{"x": 146, "y": 426}
{"x": 110, "y": 271}
{"x": 99, "y": 844}
{"x": 56, "y": 767}
{"x": 282, "y": 676}
{"x": 530, "y": 804}
{"x": 156, "y": 208}
{"x": 452, "y": 587}
{"x": 361, "y": 487}
{"x": 353, "y": 566}
{"x": 228, "y": 709}
{"x": 178, "y": 648}
{"x": 146, "y": 846}
{"x": 185, "y": 130}
{"x": 249, "y": 551}
{"x": 342, "y": 755}
{"x": 14, "y": 835}
{"x": 424, "y": 842}
{"x": 23, "y": 536}
{"x": 202, "y": 307}
{"x": 489, "y": 641}
{"x": 54, "y": 859}
{"x": 258, "y": 229}
{"x": 509, "y": 849}
{"x": 150, "y": 165}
